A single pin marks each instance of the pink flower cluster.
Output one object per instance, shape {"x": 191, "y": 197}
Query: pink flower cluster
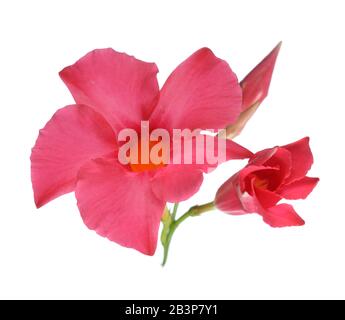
{"x": 78, "y": 149}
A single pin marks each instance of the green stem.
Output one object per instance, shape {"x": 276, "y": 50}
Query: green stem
{"x": 173, "y": 215}
{"x": 193, "y": 211}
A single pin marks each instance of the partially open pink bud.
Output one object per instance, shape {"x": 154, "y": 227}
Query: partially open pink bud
{"x": 270, "y": 175}
{"x": 254, "y": 90}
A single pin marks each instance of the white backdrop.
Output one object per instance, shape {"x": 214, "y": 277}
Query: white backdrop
{"x": 49, "y": 253}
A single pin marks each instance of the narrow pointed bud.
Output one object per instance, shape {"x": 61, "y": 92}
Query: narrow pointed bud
{"x": 256, "y": 84}
{"x": 255, "y": 88}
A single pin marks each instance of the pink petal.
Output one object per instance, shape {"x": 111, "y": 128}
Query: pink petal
{"x": 282, "y": 215}
{"x": 266, "y": 198}
{"x": 201, "y": 93}
{"x": 299, "y": 189}
{"x": 176, "y": 183}
{"x": 301, "y": 157}
{"x": 228, "y": 197}
{"x": 74, "y": 135}
{"x": 256, "y": 84}
{"x": 277, "y": 157}
{"x": 123, "y": 89}
{"x": 236, "y": 151}
{"x": 261, "y": 157}
{"x": 282, "y": 160}
{"x": 250, "y": 173}
{"x": 119, "y": 204}
{"x": 201, "y": 154}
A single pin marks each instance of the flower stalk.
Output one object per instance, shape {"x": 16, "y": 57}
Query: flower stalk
{"x": 170, "y": 223}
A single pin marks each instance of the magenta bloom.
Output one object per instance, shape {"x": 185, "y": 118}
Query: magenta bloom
{"x": 270, "y": 175}
{"x": 77, "y": 149}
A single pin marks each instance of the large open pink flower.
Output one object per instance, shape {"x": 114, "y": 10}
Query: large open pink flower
{"x": 77, "y": 149}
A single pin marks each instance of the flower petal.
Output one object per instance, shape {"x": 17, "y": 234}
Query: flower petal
{"x": 201, "y": 93}
{"x": 261, "y": 157}
{"x": 119, "y": 204}
{"x": 281, "y": 159}
{"x": 176, "y": 183}
{"x": 228, "y": 197}
{"x": 282, "y": 215}
{"x": 74, "y": 135}
{"x": 266, "y": 198}
{"x": 123, "y": 89}
{"x": 250, "y": 173}
{"x": 207, "y": 153}
{"x": 277, "y": 157}
{"x": 236, "y": 151}
{"x": 298, "y": 189}
{"x": 301, "y": 158}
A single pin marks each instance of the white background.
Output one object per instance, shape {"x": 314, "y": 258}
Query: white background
{"x": 49, "y": 253}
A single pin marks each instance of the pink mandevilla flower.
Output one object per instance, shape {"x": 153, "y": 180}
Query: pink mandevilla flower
{"x": 270, "y": 175}
{"x": 77, "y": 149}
